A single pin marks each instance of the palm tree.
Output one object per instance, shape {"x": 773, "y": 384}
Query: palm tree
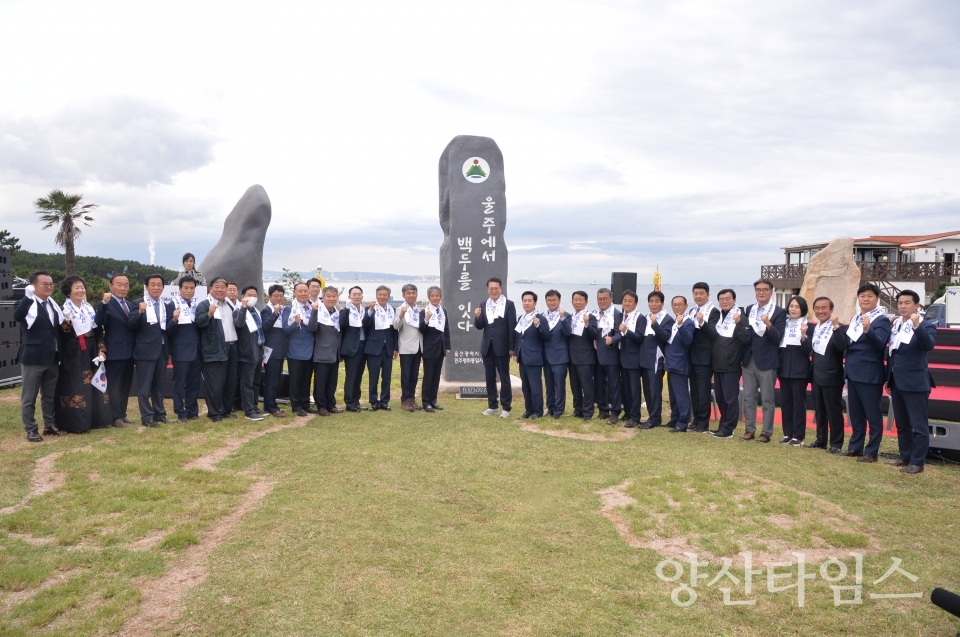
{"x": 65, "y": 210}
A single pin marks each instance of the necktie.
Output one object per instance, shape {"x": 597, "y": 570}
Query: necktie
{"x": 123, "y": 304}
{"x": 156, "y": 311}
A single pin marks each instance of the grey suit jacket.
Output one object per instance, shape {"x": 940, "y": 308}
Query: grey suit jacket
{"x": 326, "y": 341}
{"x": 411, "y": 340}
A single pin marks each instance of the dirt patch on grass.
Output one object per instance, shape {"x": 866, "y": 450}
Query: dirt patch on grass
{"x": 614, "y": 436}
{"x": 44, "y": 478}
{"x": 15, "y": 598}
{"x": 162, "y": 599}
{"x": 616, "y": 502}
{"x": 209, "y": 462}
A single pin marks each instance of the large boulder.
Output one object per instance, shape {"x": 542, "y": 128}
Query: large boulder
{"x": 833, "y": 273}
{"x": 238, "y": 255}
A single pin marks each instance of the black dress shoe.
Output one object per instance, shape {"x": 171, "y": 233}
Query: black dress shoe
{"x": 557, "y": 416}
{"x": 677, "y": 431}
{"x": 603, "y": 415}
{"x": 355, "y": 410}
{"x": 852, "y": 454}
{"x": 51, "y": 430}
{"x": 127, "y": 420}
{"x": 375, "y": 407}
{"x": 648, "y": 425}
{"x": 33, "y": 436}
{"x": 336, "y": 410}
{"x": 150, "y": 423}
{"x": 427, "y": 408}
{"x": 384, "y": 406}
{"x": 182, "y": 419}
{"x": 899, "y": 462}
{"x": 863, "y": 458}
{"x": 576, "y": 414}
{"x": 817, "y": 445}
{"x": 526, "y": 414}
{"x": 912, "y": 468}
{"x": 630, "y": 424}
{"x": 300, "y": 413}
{"x": 835, "y": 451}
{"x": 436, "y": 406}
{"x": 216, "y": 418}
{"x": 614, "y": 419}
{"x": 162, "y": 419}
{"x": 311, "y": 410}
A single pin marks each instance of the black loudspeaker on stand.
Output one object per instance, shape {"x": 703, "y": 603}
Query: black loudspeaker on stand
{"x": 621, "y": 282}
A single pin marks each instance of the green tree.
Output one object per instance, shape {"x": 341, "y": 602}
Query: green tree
{"x": 290, "y": 280}
{"x": 7, "y": 240}
{"x": 59, "y": 208}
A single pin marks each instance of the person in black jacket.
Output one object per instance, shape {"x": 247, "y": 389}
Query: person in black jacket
{"x": 276, "y": 341}
{"x": 729, "y": 334}
{"x": 826, "y": 344}
{"x": 583, "y": 356}
{"x": 794, "y": 372}
{"x": 112, "y": 314}
{"x": 185, "y": 352}
{"x": 607, "y": 344}
{"x": 150, "y": 320}
{"x": 498, "y": 320}
{"x": 632, "y": 326}
{"x": 250, "y": 342}
{"x": 40, "y": 319}
{"x": 353, "y": 340}
{"x": 436, "y": 345}
{"x": 761, "y": 359}
{"x": 658, "y": 329}
{"x": 701, "y": 363}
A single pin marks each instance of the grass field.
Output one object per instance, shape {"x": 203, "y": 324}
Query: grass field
{"x": 457, "y": 524}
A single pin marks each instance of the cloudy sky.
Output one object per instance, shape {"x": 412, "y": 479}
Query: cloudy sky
{"x": 702, "y": 136}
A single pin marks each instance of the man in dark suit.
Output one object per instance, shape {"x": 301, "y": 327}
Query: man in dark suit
{"x": 607, "y": 344}
{"x": 583, "y": 356}
{"x": 632, "y": 328}
{"x": 728, "y": 334}
{"x": 909, "y": 381}
{"x": 866, "y": 343}
{"x": 381, "y": 348}
{"x": 529, "y": 354}
{"x": 676, "y": 362}
{"x": 40, "y": 319}
{"x": 658, "y": 329}
{"x": 554, "y": 329}
{"x": 250, "y": 342}
{"x": 112, "y": 314}
{"x": 149, "y": 322}
{"x": 701, "y": 363}
{"x": 218, "y": 342}
{"x": 761, "y": 359}
{"x": 325, "y": 323}
{"x": 498, "y": 320}
{"x": 436, "y": 346}
{"x": 353, "y": 339}
{"x": 276, "y": 340}
{"x": 827, "y": 380}
{"x": 300, "y": 340}
{"x": 185, "y": 352}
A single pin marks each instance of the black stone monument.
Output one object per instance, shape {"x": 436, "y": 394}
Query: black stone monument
{"x": 473, "y": 214}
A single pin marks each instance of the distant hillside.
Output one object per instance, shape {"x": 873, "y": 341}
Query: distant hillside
{"x": 354, "y": 275}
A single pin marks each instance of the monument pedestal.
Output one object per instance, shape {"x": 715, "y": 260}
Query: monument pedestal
{"x": 453, "y": 387}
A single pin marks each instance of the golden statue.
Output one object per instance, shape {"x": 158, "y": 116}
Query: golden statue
{"x": 657, "y": 279}
{"x": 320, "y": 278}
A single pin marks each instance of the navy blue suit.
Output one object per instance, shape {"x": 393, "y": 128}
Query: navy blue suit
{"x": 827, "y": 387}
{"x": 379, "y": 349}
{"x": 185, "y": 351}
{"x": 652, "y": 369}
{"x": 676, "y": 361}
{"x": 529, "y": 354}
{"x": 910, "y": 383}
{"x": 150, "y": 353}
{"x": 351, "y": 351}
{"x": 701, "y": 372}
{"x": 631, "y": 352}
{"x": 276, "y": 340}
{"x": 118, "y": 339}
{"x": 499, "y": 338}
{"x": 607, "y": 373}
{"x": 866, "y": 374}
{"x": 299, "y": 359}
{"x": 557, "y": 358}
{"x": 583, "y": 363}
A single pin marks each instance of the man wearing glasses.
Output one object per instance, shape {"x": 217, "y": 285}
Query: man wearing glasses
{"x": 40, "y": 319}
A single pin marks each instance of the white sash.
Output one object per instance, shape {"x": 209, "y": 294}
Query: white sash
{"x": 726, "y": 325}
{"x": 552, "y": 318}
{"x": 412, "y": 316}
{"x": 152, "y": 317}
{"x": 495, "y": 309}
{"x": 299, "y": 309}
{"x": 525, "y": 321}
{"x": 756, "y": 316}
{"x": 32, "y": 312}
{"x": 217, "y": 304}
{"x": 576, "y": 323}
{"x": 356, "y": 316}
{"x": 82, "y": 318}
{"x": 855, "y": 331}
{"x": 604, "y": 323}
{"x": 187, "y": 312}
{"x": 250, "y": 321}
{"x": 676, "y": 326}
{"x": 328, "y": 317}
{"x": 821, "y": 337}
{"x": 705, "y": 310}
{"x": 383, "y": 317}
{"x": 649, "y": 329}
{"x": 631, "y": 320}
{"x": 278, "y": 323}
{"x": 791, "y": 334}
{"x": 901, "y": 333}
{"x": 439, "y": 318}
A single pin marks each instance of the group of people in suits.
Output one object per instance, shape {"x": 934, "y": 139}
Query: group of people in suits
{"x": 616, "y": 360}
